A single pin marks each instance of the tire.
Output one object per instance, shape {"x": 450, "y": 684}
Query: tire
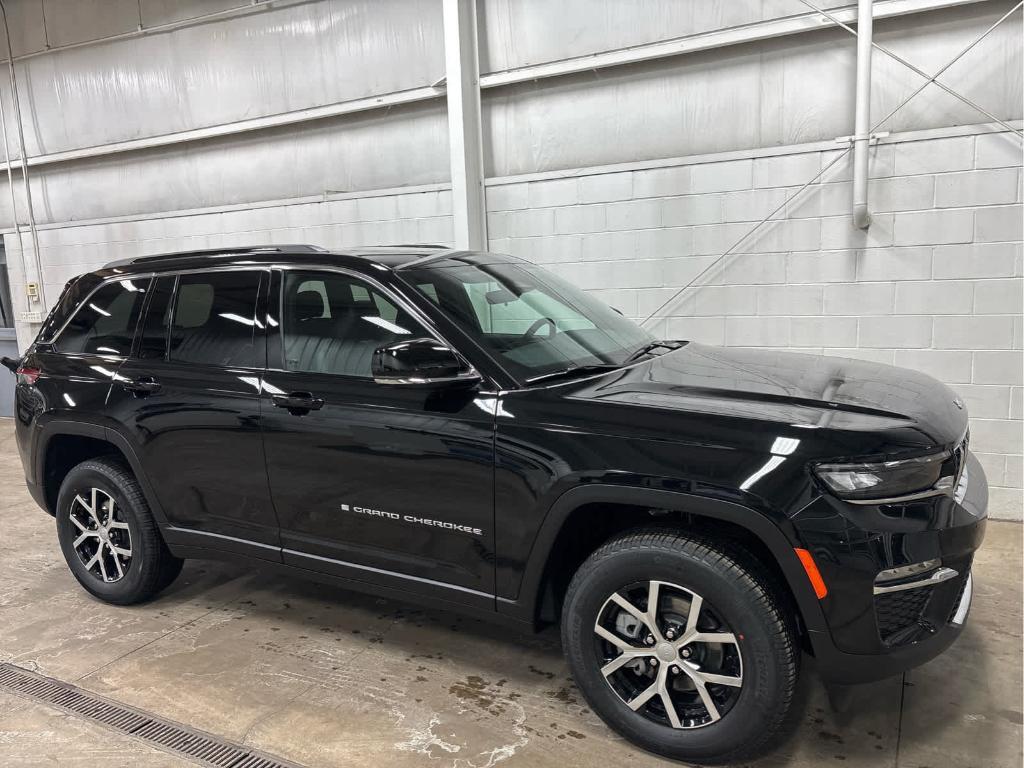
{"x": 119, "y": 579}
{"x": 735, "y": 602}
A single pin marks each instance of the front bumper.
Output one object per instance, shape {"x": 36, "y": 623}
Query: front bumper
{"x": 837, "y": 666}
{"x": 870, "y": 636}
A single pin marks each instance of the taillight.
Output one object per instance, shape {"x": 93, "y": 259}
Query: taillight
{"x": 27, "y": 375}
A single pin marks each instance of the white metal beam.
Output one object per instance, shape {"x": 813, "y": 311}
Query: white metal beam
{"x": 465, "y": 141}
{"x": 790, "y": 25}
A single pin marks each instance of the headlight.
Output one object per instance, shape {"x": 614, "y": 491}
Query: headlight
{"x": 884, "y": 480}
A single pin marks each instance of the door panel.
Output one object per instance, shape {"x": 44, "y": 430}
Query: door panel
{"x": 393, "y": 478}
{"x": 193, "y": 421}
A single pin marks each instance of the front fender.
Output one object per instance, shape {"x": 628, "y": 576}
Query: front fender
{"x": 779, "y": 543}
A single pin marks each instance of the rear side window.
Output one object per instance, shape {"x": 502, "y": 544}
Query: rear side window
{"x": 105, "y": 323}
{"x": 214, "y": 320}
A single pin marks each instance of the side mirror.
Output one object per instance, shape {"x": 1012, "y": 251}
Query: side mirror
{"x": 422, "y": 362}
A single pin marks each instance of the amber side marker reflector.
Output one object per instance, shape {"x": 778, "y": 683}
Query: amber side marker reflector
{"x": 813, "y": 574}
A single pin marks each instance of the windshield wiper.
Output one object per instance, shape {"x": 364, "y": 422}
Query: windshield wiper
{"x": 576, "y": 370}
{"x": 646, "y": 349}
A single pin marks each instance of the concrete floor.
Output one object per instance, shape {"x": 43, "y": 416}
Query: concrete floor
{"x": 329, "y": 678}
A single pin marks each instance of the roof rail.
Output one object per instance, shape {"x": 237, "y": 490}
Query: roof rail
{"x": 418, "y": 245}
{"x": 228, "y": 251}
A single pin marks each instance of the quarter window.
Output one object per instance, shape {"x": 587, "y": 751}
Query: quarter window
{"x": 214, "y": 320}
{"x": 105, "y": 323}
{"x": 332, "y": 323}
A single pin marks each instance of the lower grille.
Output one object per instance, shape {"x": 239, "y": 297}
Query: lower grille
{"x": 898, "y": 612}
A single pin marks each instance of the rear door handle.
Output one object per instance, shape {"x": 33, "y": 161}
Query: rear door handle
{"x": 298, "y": 403}
{"x": 142, "y": 386}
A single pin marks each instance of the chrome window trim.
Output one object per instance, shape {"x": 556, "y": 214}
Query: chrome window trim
{"x": 935, "y": 577}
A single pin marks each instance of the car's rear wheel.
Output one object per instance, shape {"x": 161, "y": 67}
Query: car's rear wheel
{"x": 679, "y": 647}
{"x": 108, "y": 535}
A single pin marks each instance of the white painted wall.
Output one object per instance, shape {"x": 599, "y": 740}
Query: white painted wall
{"x": 630, "y": 181}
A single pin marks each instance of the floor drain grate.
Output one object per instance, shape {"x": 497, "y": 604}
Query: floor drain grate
{"x": 172, "y": 737}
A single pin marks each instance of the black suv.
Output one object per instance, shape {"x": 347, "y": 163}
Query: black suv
{"x": 467, "y": 430}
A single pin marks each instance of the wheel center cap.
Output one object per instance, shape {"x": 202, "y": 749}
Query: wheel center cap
{"x": 665, "y": 651}
{"x": 104, "y": 536}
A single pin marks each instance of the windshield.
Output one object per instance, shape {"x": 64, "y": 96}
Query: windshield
{"x": 533, "y": 322}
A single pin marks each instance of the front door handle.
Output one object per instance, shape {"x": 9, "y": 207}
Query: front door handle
{"x": 142, "y": 386}
{"x": 298, "y": 403}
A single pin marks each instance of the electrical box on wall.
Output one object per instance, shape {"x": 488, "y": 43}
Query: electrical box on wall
{"x": 32, "y": 291}
{"x": 30, "y": 317}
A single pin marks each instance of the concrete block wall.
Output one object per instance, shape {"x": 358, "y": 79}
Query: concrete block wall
{"x": 934, "y": 284}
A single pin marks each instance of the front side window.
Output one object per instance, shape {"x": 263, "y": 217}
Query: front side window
{"x": 530, "y": 320}
{"x": 105, "y": 323}
{"x": 214, "y": 320}
{"x": 333, "y": 322}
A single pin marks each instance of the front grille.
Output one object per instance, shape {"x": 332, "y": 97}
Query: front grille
{"x": 898, "y": 614}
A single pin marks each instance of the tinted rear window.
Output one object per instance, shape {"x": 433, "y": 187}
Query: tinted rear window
{"x": 75, "y": 290}
{"x": 105, "y": 323}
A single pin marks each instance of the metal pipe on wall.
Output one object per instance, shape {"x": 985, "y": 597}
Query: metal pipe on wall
{"x": 862, "y": 116}
{"x": 10, "y": 184}
{"x": 24, "y": 167}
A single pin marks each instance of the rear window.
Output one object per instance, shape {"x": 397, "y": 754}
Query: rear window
{"x": 75, "y": 290}
{"x": 105, "y": 323}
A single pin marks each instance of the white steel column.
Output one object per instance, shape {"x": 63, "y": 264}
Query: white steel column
{"x": 862, "y": 117}
{"x": 462, "y": 74}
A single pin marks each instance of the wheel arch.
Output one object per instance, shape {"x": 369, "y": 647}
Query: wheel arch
{"x": 64, "y": 444}
{"x": 585, "y": 517}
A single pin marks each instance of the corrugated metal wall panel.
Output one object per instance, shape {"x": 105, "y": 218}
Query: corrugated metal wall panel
{"x": 405, "y": 147}
{"x": 785, "y": 91}
{"x": 260, "y": 64}
{"x": 516, "y": 33}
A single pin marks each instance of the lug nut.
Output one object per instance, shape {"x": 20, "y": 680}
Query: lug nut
{"x": 654, "y": 662}
{"x": 650, "y": 640}
{"x": 685, "y": 653}
{"x": 670, "y": 634}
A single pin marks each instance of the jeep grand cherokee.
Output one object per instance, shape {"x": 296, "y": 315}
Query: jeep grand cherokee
{"x": 467, "y": 430}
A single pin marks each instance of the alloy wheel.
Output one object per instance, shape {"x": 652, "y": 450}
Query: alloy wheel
{"x": 103, "y": 542}
{"x": 668, "y": 654}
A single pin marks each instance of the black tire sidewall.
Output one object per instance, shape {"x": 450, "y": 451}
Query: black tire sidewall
{"x": 764, "y": 676}
{"x": 81, "y": 480}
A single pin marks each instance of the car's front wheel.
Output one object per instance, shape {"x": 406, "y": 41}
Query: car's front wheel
{"x": 108, "y": 535}
{"x": 679, "y": 647}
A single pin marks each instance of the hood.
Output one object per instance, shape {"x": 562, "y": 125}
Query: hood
{"x": 801, "y": 390}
